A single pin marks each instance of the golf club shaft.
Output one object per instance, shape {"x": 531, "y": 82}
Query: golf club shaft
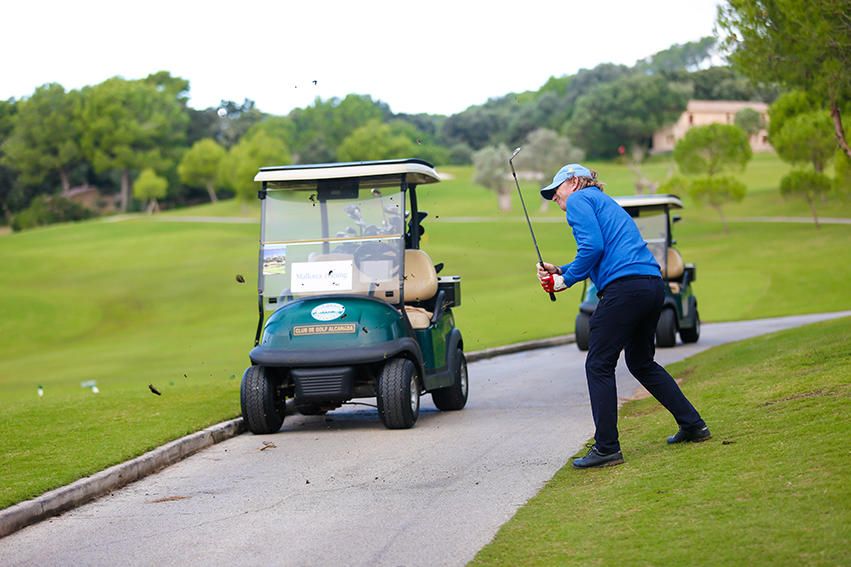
{"x": 526, "y": 214}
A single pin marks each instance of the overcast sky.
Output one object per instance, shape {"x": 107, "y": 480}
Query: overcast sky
{"x": 432, "y": 56}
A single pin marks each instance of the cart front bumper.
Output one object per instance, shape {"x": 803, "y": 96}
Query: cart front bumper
{"x": 314, "y": 358}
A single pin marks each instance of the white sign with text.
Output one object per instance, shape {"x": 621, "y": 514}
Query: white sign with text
{"x": 322, "y": 276}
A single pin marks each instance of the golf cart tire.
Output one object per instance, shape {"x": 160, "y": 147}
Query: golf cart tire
{"x": 666, "y": 328}
{"x": 398, "y": 406}
{"x": 583, "y": 331}
{"x": 262, "y": 411}
{"x": 693, "y": 334}
{"x": 454, "y": 397}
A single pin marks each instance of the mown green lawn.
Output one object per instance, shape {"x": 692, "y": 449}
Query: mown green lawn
{"x": 770, "y": 488}
{"x": 125, "y": 304}
{"x": 459, "y": 196}
{"x": 762, "y": 178}
{"x": 145, "y": 301}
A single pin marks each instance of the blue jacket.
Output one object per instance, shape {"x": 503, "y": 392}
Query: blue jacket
{"x": 608, "y": 243}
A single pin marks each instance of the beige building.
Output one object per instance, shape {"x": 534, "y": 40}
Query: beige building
{"x": 92, "y": 199}
{"x": 703, "y": 112}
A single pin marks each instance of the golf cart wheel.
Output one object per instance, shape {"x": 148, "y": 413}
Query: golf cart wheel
{"x": 454, "y": 397}
{"x": 666, "y": 329}
{"x": 262, "y": 407}
{"x": 693, "y": 334}
{"x": 398, "y": 394}
{"x": 583, "y": 330}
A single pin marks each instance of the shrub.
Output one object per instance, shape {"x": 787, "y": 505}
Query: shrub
{"x": 47, "y": 209}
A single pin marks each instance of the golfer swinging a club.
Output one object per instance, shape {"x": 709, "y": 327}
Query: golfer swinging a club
{"x": 611, "y": 251}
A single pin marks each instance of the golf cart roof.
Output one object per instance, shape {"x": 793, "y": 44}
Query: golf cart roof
{"x": 417, "y": 171}
{"x": 640, "y": 201}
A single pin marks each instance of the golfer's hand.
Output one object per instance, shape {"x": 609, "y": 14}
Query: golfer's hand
{"x": 546, "y": 269}
{"x": 553, "y": 283}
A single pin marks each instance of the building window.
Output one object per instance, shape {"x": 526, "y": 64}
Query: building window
{"x": 691, "y": 119}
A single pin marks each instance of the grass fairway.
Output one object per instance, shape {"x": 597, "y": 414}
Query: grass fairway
{"x": 152, "y": 300}
{"x": 762, "y": 178}
{"x": 125, "y": 304}
{"x": 770, "y": 488}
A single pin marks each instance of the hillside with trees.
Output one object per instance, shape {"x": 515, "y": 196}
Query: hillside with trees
{"x": 106, "y": 135}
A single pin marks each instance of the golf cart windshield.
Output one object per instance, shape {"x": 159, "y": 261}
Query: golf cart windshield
{"x": 332, "y": 237}
{"x": 653, "y": 225}
{"x": 650, "y": 213}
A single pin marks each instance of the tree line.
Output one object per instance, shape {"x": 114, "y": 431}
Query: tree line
{"x": 140, "y": 141}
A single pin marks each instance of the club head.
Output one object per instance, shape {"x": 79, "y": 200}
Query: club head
{"x": 514, "y": 153}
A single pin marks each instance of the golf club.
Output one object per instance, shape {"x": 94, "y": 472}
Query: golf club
{"x": 529, "y": 222}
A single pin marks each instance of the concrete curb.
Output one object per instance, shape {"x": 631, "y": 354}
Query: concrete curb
{"x": 85, "y": 489}
{"x": 520, "y": 347}
{"x": 88, "y": 488}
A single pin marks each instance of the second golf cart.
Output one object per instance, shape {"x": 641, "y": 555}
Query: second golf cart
{"x": 358, "y": 308}
{"x": 652, "y": 214}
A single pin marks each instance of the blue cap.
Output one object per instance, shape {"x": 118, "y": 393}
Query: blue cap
{"x": 569, "y": 171}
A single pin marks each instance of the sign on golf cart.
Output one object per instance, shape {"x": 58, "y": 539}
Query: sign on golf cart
{"x": 652, "y": 215}
{"x": 357, "y": 308}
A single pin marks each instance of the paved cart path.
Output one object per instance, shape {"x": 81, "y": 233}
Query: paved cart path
{"x": 346, "y": 491}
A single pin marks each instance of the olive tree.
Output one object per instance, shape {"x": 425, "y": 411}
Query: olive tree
{"x": 491, "y": 170}
{"x": 545, "y": 152}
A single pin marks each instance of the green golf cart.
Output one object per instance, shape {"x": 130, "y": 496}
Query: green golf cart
{"x": 357, "y": 308}
{"x": 652, "y": 214}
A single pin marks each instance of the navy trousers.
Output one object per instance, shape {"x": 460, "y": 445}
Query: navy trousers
{"x": 625, "y": 320}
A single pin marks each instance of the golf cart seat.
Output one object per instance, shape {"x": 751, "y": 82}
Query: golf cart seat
{"x": 674, "y": 268}
{"x": 420, "y": 286}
